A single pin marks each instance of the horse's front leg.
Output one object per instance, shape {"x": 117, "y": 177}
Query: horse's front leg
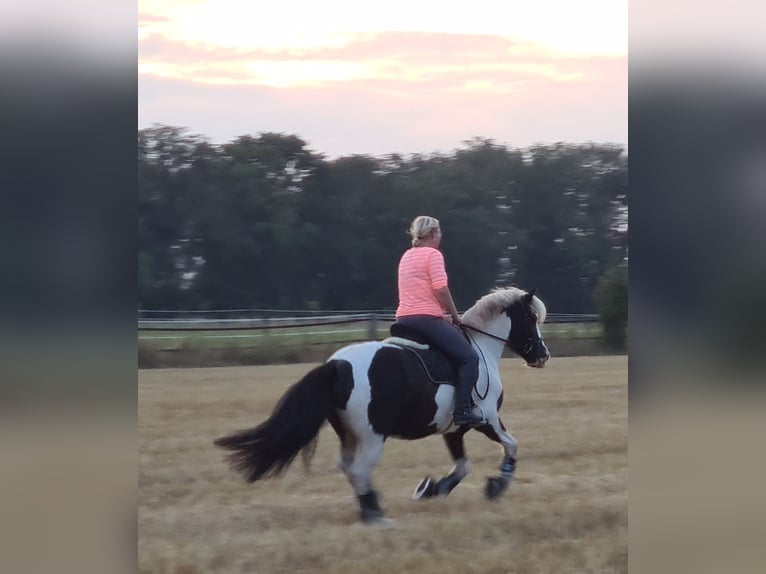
{"x": 495, "y": 430}
{"x": 428, "y": 488}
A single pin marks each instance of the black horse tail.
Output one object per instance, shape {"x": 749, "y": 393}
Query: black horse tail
{"x": 268, "y": 449}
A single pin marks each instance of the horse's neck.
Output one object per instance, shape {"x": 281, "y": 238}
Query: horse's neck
{"x": 489, "y": 350}
{"x": 492, "y": 349}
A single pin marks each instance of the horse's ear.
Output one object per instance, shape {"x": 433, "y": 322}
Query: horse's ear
{"x": 532, "y": 293}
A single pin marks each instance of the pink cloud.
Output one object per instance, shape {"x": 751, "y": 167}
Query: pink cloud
{"x": 147, "y": 18}
{"x": 394, "y": 49}
{"x": 424, "y": 93}
{"x": 383, "y": 117}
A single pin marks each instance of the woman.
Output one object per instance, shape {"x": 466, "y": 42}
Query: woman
{"x": 424, "y": 296}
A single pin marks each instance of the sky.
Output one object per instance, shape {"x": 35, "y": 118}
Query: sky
{"x": 414, "y": 76}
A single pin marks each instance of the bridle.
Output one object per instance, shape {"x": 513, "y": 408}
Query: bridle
{"x": 526, "y": 349}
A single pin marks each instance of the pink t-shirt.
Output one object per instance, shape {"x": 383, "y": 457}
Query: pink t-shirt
{"x": 421, "y": 272}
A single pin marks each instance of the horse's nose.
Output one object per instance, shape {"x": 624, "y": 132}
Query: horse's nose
{"x": 547, "y": 354}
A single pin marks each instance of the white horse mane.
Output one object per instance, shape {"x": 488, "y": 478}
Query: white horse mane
{"x": 493, "y": 303}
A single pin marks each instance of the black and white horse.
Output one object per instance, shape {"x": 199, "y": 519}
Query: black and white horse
{"x": 378, "y": 389}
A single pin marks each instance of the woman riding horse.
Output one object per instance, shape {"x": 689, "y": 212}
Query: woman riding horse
{"x": 373, "y": 390}
{"x": 424, "y": 296}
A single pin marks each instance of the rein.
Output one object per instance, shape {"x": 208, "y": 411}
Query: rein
{"x": 483, "y": 358}
{"x": 464, "y": 326}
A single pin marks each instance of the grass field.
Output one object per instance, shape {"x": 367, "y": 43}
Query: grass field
{"x": 566, "y": 511}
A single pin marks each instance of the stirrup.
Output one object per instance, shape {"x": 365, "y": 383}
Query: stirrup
{"x": 467, "y": 417}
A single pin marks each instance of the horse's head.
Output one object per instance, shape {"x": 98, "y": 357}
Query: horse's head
{"x": 526, "y": 314}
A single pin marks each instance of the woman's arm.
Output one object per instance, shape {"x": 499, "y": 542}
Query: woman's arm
{"x": 445, "y": 298}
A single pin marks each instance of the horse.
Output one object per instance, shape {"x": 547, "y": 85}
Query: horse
{"x": 373, "y": 390}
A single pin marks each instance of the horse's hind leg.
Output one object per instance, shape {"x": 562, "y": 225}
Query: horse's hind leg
{"x": 359, "y": 473}
{"x": 357, "y": 460}
{"x": 428, "y": 488}
{"x": 347, "y": 451}
{"x": 348, "y": 443}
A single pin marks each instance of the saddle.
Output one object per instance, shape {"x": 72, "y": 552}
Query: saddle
{"x": 437, "y": 366}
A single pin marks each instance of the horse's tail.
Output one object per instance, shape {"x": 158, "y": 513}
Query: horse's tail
{"x": 268, "y": 449}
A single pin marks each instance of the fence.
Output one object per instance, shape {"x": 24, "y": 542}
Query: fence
{"x": 258, "y": 336}
{"x": 265, "y": 322}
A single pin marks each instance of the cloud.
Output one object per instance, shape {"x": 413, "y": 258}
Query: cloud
{"x": 388, "y": 55}
{"x": 405, "y": 115}
{"x": 386, "y": 92}
{"x": 588, "y": 26}
{"x": 146, "y": 19}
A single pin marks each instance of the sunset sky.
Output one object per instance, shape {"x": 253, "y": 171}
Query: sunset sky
{"x": 400, "y": 76}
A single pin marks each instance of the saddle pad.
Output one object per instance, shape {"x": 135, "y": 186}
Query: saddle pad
{"x": 437, "y": 366}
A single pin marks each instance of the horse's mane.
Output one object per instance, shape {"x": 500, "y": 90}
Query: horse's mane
{"x": 493, "y": 303}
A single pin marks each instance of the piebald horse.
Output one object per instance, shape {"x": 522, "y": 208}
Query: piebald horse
{"x": 378, "y": 389}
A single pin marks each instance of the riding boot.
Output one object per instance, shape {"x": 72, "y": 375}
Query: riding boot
{"x": 462, "y": 414}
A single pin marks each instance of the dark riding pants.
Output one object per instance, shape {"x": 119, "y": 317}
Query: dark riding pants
{"x": 450, "y": 341}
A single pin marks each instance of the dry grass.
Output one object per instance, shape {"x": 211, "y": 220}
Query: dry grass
{"x": 566, "y": 511}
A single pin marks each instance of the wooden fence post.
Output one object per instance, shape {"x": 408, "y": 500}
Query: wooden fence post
{"x": 372, "y": 328}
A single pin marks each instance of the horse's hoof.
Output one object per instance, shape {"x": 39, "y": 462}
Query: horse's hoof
{"x": 371, "y": 515}
{"x": 381, "y": 521}
{"x": 495, "y": 487}
{"x": 424, "y": 489}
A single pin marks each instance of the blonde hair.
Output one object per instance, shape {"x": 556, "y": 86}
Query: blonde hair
{"x": 421, "y": 227}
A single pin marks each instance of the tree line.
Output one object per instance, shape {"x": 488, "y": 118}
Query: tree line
{"x": 263, "y": 221}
